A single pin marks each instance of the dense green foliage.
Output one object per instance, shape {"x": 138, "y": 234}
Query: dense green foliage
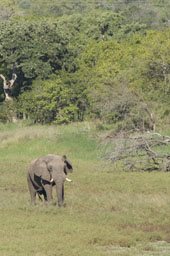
{"x": 87, "y": 59}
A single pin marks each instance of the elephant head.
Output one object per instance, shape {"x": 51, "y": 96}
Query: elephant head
{"x": 52, "y": 166}
{"x": 57, "y": 166}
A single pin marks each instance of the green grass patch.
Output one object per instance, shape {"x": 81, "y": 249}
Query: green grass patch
{"x": 106, "y": 213}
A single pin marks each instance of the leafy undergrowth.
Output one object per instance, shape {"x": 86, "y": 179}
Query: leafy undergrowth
{"x": 106, "y": 213}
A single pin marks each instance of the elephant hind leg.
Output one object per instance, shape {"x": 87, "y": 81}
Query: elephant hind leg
{"x": 33, "y": 195}
{"x": 31, "y": 190}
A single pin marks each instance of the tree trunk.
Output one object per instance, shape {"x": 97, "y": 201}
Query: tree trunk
{"x": 7, "y": 87}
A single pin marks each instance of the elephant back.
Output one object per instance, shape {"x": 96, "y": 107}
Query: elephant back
{"x": 39, "y": 168}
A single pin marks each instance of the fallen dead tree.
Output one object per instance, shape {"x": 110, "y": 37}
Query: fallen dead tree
{"x": 145, "y": 152}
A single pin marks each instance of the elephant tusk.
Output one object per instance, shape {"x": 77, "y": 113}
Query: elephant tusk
{"x": 51, "y": 180}
{"x": 68, "y": 180}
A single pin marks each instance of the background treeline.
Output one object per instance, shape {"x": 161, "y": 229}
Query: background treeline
{"x": 104, "y": 60}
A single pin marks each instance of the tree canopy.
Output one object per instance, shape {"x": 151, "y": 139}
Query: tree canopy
{"x": 106, "y": 60}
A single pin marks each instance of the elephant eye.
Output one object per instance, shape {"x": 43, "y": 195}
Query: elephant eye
{"x": 49, "y": 168}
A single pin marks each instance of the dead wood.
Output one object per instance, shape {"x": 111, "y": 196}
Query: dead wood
{"x": 146, "y": 151}
{"x": 8, "y": 84}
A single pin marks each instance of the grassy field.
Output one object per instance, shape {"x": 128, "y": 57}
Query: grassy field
{"x": 107, "y": 213}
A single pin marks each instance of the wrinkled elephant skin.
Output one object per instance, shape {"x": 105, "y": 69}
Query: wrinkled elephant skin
{"x": 45, "y": 172}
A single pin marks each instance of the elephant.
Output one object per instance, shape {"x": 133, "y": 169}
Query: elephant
{"x": 45, "y": 172}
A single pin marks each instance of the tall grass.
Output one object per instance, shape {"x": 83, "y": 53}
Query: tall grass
{"x": 107, "y": 213}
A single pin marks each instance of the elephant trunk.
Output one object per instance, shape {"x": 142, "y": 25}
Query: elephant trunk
{"x": 60, "y": 193}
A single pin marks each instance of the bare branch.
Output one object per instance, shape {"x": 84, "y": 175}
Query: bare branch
{"x": 14, "y": 76}
{"x": 11, "y": 82}
{"x": 8, "y": 85}
{"x": 150, "y": 117}
{"x": 5, "y": 81}
{"x": 139, "y": 152}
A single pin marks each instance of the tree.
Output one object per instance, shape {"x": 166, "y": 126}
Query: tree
{"x": 40, "y": 49}
{"x": 49, "y": 101}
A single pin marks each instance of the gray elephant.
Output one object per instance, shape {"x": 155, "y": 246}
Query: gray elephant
{"x": 45, "y": 172}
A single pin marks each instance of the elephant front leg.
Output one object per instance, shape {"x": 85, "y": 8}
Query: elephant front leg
{"x": 60, "y": 193}
{"x": 48, "y": 190}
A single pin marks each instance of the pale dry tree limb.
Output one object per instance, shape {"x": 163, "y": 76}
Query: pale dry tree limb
{"x": 8, "y": 84}
{"x": 140, "y": 152}
{"x": 7, "y": 87}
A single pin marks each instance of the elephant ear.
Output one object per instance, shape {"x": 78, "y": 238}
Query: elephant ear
{"x": 42, "y": 171}
{"x": 68, "y": 165}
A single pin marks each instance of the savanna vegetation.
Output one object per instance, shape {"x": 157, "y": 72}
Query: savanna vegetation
{"x": 89, "y": 80}
{"x": 107, "y": 212}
